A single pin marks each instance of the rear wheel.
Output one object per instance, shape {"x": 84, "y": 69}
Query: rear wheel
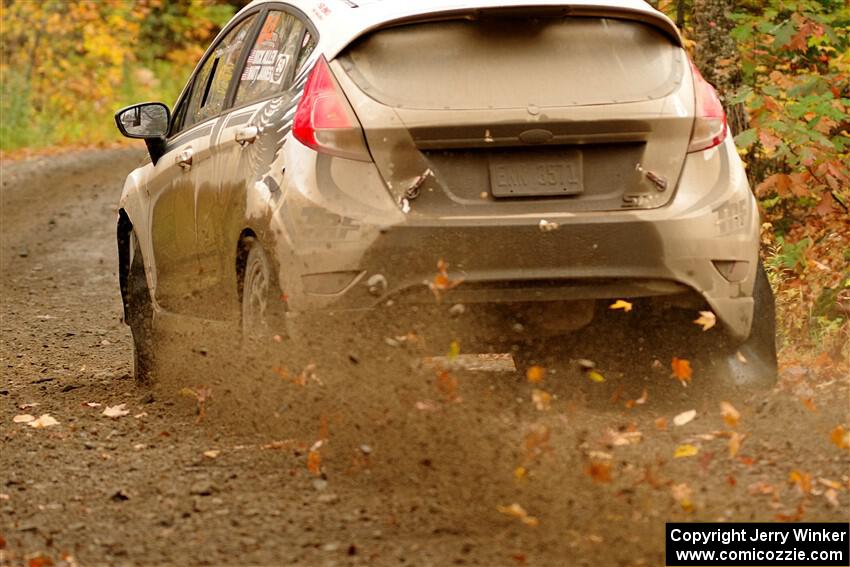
{"x": 757, "y": 364}
{"x": 140, "y": 315}
{"x": 255, "y": 293}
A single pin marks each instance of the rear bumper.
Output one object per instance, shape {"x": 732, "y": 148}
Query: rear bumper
{"x": 345, "y": 259}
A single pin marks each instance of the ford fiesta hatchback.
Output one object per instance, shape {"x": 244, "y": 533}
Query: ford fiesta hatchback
{"x": 524, "y": 163}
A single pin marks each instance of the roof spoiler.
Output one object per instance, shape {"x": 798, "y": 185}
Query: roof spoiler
{"x": 648, "y": 16}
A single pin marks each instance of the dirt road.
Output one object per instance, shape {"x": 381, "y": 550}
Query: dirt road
{"x": 353, "y": 461}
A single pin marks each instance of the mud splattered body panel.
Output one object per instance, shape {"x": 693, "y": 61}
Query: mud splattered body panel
{"x": 567, "y": 178}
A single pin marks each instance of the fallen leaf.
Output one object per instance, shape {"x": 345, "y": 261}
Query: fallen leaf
{"x": 685, "y": 450}
{"x": 599, "y": 471}
{"x": 741, "y": 358}
{"x": 617, "y": 439}
{"x": 809, "y": 403}
{"x": 28, "y": 406}
{"x": 454, "y": 351}
{"x": 595, "y": 376}
{"x": 535, "y": 374}
{"x": 746, "y": 461}
{"x": 441, "y": 282}
{"x": 638, "y": 402}
{"x": 706, "y": 320}
{"x": 314, "y": 459}
{"x": 426, "y": 405}
{"x": 830, "y": 483}
{"x": 201, "y": 394}
{"x": 45, "y": 420}
{"x": 802, "y": 480}
{"x": 39, "y": 561}
{"x": 535, "y": 443}
{"x": 661, "y": 424}
{"x": 795, "y": 517}
{"x": 840, "y": 438}
{"x": 116, "y": 411}
{"x": 735, "y": 443}
{"x": 684, "y": 418}
{"x": 520, "y": 473}
{"x": 23, "y": 418}
{"x": 621, "y": 304}
{"x": 518, "y": 512}
{"x": 761, "y": 489}
{"x": 682, "y": 370}
{"x": 212, "y": 454}
{"x": 547, "y": 226}
{"x": 92, "y": 404}
{"x": 682, "y": 494}
{"x": 542, "y": 400}
{"x": 447, "y": 385}
{"x": 730, "y": 414}
{"x": 832, "y": 497}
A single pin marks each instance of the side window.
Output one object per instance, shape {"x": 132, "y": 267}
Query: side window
{"x": 307, "y": 46}
{"x": 210, "y": 88}
{"x": 272, "y": 62}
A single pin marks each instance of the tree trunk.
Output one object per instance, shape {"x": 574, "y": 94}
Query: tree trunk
{"x": 716, "y": 55}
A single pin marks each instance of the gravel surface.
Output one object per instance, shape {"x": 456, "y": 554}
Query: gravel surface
{"x": 368, "y": 457}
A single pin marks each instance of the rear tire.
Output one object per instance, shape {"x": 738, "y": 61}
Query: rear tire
{"x": 140, "y": 315}
{"x": 759, "y": 350}
{"x": 256, "y": 283}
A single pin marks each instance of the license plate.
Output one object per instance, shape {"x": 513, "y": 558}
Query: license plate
{"x": 536, "y": 176}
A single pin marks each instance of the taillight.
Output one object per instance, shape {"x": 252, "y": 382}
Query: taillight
{"x": 324, "y": 119}
{"x": 710, "y": 120}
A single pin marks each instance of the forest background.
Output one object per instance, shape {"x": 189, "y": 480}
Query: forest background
{"x": 782, "y": 69}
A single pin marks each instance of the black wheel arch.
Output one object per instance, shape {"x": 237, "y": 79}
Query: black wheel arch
{"x": 124, "y": 230}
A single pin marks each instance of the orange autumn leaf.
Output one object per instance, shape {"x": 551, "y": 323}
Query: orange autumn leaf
{"x": 795, "y": 517}
{"x": 661, "y": 424}
{"x": 621, "y": 304}
{"x": 441, "y": 282}
{"x": 840, "y": 438}
{"x": 447, "y": 385}
{"x": 682, "y": 370}
{"x": 314, "y": 462}
{"x": 599, "y": 471}
{"x": 802, "y": 480}
{"x": 535, "y": 374}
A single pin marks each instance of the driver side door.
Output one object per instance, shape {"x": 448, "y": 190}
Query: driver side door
{"x": 184, "y": 170}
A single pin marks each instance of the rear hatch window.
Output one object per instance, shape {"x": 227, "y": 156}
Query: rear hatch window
{"x": 502, "y": 63}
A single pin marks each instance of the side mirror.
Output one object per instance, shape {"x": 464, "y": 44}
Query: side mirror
{"x": 148, "y": 121}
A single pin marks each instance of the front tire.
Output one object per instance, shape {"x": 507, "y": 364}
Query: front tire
{"x": 140, "y": 315}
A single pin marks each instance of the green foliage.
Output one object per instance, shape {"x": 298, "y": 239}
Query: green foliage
{"x": 795, "y": 60}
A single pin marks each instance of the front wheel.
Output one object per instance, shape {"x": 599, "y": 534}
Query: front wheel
{"x": 140, "y": 315}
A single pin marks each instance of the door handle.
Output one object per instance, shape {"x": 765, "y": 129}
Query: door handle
{"x": 184, "y": 158}
{"x": 247, "y": 135}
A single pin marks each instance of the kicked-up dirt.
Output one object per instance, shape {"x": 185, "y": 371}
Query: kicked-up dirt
{"x": 359, "y": 453}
